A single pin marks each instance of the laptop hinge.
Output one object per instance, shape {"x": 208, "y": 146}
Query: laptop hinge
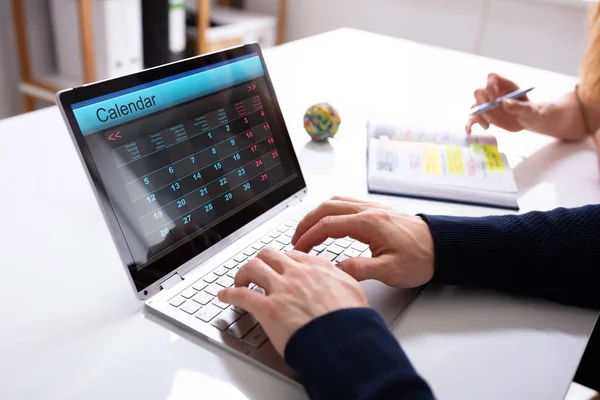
{"x": 171, "y": 281}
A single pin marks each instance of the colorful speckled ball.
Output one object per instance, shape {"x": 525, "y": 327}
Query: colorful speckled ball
{"x": 321, "y": 121}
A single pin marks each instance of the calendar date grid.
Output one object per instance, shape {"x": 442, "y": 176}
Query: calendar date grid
{"x": 186, "y": 158}
{"x": 211, "y": 200}
{"x": 203, "y": 131}
{"x": 191, "y": 155}
{"x": 274, "y": 153}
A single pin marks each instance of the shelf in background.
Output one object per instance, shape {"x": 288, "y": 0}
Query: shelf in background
{"x": 46, "y": 87}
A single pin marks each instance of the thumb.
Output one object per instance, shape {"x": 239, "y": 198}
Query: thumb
{"x": 519, "y": 108}
{"x": 360, "y": 268}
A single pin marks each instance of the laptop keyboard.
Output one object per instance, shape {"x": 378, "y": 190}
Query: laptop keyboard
{"x": 200, "y": 298}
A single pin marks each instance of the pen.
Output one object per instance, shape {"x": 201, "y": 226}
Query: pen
{"x": 492, "y": 105}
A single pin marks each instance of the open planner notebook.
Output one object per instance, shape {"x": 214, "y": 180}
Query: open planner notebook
{"x": 430, "y": 164}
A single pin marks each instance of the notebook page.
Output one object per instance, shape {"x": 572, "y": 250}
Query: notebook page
{"x": 479, "y": 166}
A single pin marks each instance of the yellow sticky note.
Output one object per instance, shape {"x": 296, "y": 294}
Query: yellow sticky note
{"x": 493, "y": 160}
{"x": 433, "y": 160}
{"x": 454, "y": 160}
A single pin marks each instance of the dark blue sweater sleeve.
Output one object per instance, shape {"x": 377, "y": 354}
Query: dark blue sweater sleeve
{"x": 351, "y": 354}
{"x": 554, "y": 254}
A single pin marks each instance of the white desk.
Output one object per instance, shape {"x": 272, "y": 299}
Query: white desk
{"x": 71, "y": 328}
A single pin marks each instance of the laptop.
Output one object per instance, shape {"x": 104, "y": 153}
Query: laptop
{"x": 194, "y": 169}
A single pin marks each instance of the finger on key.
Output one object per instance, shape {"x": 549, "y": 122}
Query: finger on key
{"x": 335, "y": 226}
{"x": 329, "y": 207}
{"x": 351, "y": 200}
{"x": 257, "y": 272}
{"x": 304, "y": 258}
{"x": 274, "y": 259}
{"x": 365, "y": 203}
{"x": 245, "y": 298}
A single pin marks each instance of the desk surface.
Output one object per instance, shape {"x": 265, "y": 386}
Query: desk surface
{"x": 72, "y": 328}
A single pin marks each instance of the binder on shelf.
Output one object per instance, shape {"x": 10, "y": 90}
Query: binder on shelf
{"x": 117, "y": 38}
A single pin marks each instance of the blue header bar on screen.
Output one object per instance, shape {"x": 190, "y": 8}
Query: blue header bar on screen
{"x": 126, "y": 105}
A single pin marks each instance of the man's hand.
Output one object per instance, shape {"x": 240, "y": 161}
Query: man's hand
{"x": 401, "y": 244}
{"x": 298, "y": 288}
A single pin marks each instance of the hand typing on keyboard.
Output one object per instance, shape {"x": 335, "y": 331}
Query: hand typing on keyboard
{"x": 298, "y": 288}
{"x": 401, "y": 244}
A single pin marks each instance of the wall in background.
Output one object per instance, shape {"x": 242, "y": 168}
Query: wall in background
{"x": 548, "y": 34}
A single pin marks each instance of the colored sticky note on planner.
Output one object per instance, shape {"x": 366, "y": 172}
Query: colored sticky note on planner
{"x": 433, "y": 160}
{"x": 454, "y": 160}
{"x": 493, "y": 160}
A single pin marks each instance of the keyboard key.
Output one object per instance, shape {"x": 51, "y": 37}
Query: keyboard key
{"x": 277, "y": 246}
{"x": 177, "y": 301}
{"x": 259, "y": 290}
{"x": 225, "y": 281}
{"x": 284, "y": 239}
{"x": 328, "y": 241}
{"x": 320, "y": 248}
{"x": 296, "y": 219}
{"x": 274, "y": 234}
{"x": 230, "y": 264}
{"x": 232, "y": 273}
{"x": 210, "y": 278}
{"x": 266, "y": 240}
{"x": 367, "y": 253}
{"x": 240, "y": 258}
{"x": 258, "y": 245}
{"x": 340, "y": 258}
{"x": 334, "y": 248}
{"x": 226, "y": 318}
{"x": 288, "y": 248}
{"x": 208, "y": 312}
{"x": 290, "y": 232}
{"x": 360, "y": 246}
{"x": 189, "y": 293}
{"x": 199, "y": 285}
{"x": 190, "y": 307}
{"x": 352, "y": 253}
{"x": 313, "y": 252}
{"x": 238, "y": 310}
{"x": 256, "y": 337}
{"x": 203, "y": 298}
{"x": 242, "y": 326}
{"x": 282, "y": 228}
{"x": 220, "y": 271}
{"x": 213, "y": 289}
{"x": 343, "y": 243}
{"x": 249, "y": 251}
{"x": 328, "y": 255}
{"x": 291, "y": 224}
{"x": 220, "y": 304}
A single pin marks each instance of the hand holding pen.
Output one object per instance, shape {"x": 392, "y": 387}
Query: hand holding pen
{"x": 504, "y": 104}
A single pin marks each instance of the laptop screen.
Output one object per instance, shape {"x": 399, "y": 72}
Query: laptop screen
{"x": 185, "y": 156}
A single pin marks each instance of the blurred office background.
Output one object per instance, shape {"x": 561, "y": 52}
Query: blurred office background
{"x": 549, "y": 34}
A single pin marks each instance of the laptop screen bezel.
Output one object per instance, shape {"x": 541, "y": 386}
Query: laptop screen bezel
{"x": 173, "y": 259}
